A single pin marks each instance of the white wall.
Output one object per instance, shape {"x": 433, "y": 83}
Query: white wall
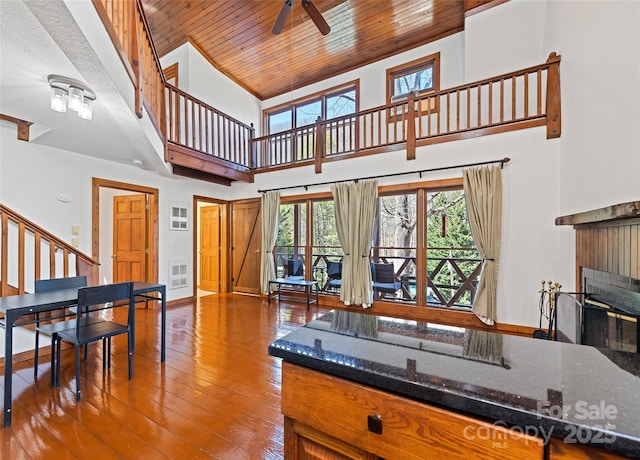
{"x": 373, "y": 76}
{"x": 600, "y": 76}
{"x": 197, "y": 77}
{"x": 32, "y": 176}
{"x": 600, "y": 73}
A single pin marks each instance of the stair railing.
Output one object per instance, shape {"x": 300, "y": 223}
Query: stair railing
{"x": 29, "y": 253}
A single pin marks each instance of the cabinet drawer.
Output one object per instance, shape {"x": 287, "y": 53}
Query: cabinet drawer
{"x": 409, "y": 429}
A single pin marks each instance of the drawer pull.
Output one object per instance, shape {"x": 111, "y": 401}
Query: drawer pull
{"x": 374, "y": 423}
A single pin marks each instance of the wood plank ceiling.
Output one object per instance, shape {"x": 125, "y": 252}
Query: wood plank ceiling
{"x": 235, "y": 36}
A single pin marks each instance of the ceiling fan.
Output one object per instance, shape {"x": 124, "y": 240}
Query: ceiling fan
{"x": 311, "y": 10}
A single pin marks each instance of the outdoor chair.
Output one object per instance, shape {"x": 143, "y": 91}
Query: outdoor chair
{"x": 295, "y": 269}
{"x": 334, "y": 276}
{"x": 384, "y": 279}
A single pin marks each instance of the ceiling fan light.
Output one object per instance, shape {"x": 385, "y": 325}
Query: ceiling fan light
{"x": 58, "y": 100}
{"x": 86, "y": 109}
{"x": 76, "y": 96}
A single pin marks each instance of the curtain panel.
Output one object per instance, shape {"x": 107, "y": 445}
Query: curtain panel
{"x": 483, "y": 195}
{"x": 355, "y": 209}
{"x": 270, "y": 213}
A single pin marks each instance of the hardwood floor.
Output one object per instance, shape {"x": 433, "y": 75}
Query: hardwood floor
{"x": 216, "y": 396}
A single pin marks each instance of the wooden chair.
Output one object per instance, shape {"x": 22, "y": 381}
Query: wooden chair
{"x": 51, "y": 326}
{"x": 384, "y": 279}
{"x": 97, "y": 300}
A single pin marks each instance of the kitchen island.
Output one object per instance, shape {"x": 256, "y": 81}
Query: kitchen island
{"x": 360, "y": 386}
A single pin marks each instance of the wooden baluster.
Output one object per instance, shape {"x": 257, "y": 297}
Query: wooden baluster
{"x": 554, "y": 126}
{"x": 320, "y": 144}
{"x": 513, "y": 98}
{"x": 411, "y": 128}
{"x": 490, "y": 103}
{"x": 501, "y": 100}
{"x": 526, "y": 95}
{"x": 21, "y": 269}
{"x": 52, "y": 258}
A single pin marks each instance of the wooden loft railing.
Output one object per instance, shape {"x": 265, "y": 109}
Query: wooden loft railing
{"x": 522, "y": 99}
{"x": 30, "y": 253}
{"x": 199, "y": 138}
{"x": 127, "y": 26}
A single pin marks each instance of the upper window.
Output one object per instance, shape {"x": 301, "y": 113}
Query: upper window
{"x": 418, "y": 77}
{"x": 331, "y": 103}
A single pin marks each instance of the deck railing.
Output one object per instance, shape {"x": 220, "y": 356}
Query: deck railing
{"x": 29, "y": 253}
{"x": 452, "y": 273}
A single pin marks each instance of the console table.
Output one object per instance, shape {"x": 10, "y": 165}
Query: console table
{"x": 307, "y": 285}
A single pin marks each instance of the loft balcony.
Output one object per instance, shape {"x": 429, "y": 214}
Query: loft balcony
{"x": 204, "y": 143}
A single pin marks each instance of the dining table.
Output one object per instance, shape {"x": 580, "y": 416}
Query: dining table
{"x": 16, "y": 306}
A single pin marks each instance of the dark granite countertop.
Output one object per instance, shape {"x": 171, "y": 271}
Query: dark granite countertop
{"x": 576, "y": 393}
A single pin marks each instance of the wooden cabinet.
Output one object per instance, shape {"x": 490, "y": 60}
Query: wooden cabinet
{"x": 560, "y": 450}
{"x": 331, "y": 418}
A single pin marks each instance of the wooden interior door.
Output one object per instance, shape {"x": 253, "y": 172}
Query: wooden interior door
{"x": 210, "y": 248}
{"x": 130, "y": 238}
{"x": 245, "y": 246}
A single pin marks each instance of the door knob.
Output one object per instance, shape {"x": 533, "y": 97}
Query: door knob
{"x": 114, "y": 256}
{"x": 257, "y": 251}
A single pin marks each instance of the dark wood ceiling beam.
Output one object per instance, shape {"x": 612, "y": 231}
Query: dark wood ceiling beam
{"x": 22, "y": 126}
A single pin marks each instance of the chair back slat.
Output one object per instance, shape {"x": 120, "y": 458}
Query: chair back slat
{"x": 57, "y": 284}
{"x": 384, "y": 273}
{"x": 95, "y": 295}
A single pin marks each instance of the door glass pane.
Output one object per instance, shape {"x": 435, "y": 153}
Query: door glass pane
{"x": 395, "y": 243}
{"x": 453, "y": 262}
{"x": 292, "y": 231}
{"x": 326, "y": 245}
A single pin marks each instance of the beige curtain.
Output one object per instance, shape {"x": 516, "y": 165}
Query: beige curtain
{"x": 483, "y": 195}
{"x": 355, "y": 210}
{"x": 340, "y": 194}
{"x": 270, "y": 213}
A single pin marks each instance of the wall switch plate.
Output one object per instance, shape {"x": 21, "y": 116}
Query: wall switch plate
{"x": 75, "y": 242}
{"x": 75, "y": 230}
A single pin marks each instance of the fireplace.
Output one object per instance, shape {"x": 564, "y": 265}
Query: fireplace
{"x": 608, "y": 276}
{"x": 611, "y": 311}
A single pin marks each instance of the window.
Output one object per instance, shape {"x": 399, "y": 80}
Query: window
{"x": 332, "y": 103}
{"x": 394, "y": 241}
{"x": 443, "y": 258}
{"x": 453, "y": 263}
{"x": 419, "y": 76}
{"x": 292, "y": 236}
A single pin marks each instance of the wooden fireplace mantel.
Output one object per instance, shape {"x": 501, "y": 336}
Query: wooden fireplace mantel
{"x": 617, "y": 211}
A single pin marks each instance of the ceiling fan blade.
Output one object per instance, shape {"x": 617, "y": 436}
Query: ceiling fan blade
{"x": 282, "y": 17}
{"x": 316, "y": 17}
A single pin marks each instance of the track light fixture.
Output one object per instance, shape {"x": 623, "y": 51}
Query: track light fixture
{"x": 73, "y": 93}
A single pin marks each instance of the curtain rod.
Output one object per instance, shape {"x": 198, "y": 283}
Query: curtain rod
{"x": 502, "y": 162}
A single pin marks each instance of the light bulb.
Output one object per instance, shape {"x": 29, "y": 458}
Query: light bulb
{"x": 76, "y": 95}
{"x": 58, "y": 100}
{"x": 86, "y": 110}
